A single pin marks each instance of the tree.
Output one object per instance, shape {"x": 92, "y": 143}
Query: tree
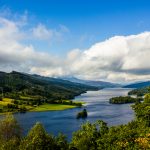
{"x": 147, "y": 98}
{"x": 103, "y": 128}
{"x": 10, "y": 133}
{"x": 1, "y": 98}
{"x": 62, "y": 142}
{"x": 22, "y": 109}
{"x": 85, "y": 138}
{"x": 38, "y": 139}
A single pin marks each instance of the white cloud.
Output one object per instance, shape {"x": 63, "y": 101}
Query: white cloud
{"x": 120, "y": 58}
{"x": 16, "y": 56}
{"x": 42, "y": 33}
{"x": 73, "y": 55}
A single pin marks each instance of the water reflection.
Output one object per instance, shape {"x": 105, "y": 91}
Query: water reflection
{"x": 97, "y": 106}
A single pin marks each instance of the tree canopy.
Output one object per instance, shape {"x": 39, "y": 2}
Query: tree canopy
{"x": 91, "y": 136}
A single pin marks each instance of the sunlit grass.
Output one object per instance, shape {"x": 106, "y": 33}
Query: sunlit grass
{"x": 77, "y": 101}
{"x": 25, "y": 97}
{"x": 6, "y": 101}
{"x": 50, "y": 107}
{"x": 43, "y": 107}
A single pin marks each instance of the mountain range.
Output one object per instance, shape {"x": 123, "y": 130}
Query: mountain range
{"x": 99, "y": 84}
{"x": 16, "y": 84}
{"x": 140, "y": 84}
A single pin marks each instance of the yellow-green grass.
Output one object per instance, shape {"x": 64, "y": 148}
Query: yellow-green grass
{"x": 79, "y": 102}
{"x": 76, "y": 102}
{"x": 6, "y": 101}
{"x": 25, "y": 97}
{"x": 28, "y": 97}
{"x": 44, "y": 107}
{"x": 52, "y": 107}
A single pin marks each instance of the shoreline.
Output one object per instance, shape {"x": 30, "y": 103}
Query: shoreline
{"x": 47, "y": 107}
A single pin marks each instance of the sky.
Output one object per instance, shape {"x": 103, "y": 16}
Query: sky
{"x": 90, "y": 39}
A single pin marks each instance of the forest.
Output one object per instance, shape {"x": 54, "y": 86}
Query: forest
{"x": 91, "y": 136}
{"x": 124, "y": 100}
{"x": 16, "y": 84}
{"x": 139, "y": 91}
{"x": 20, "y": 92}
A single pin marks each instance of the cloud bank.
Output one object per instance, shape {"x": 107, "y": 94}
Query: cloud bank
{"x": 119, "y": 58}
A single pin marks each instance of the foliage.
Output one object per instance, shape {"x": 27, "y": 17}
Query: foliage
{"x": 85, "y": 138}
{"x": 10, "y": 133}
{"x": 22, "y": 109}
{"x": 139, "y": 91}
{"x": 27, "y": 91}
{"x": 134, "y": 135}
{"x": 19, "y": 86}
{"x": 97, "y": 136}
{"x": 147, "y": 98}
{"x": 61, "y": 142}
{"x": 124, "y": 100}
{"x": 37, "y": 139}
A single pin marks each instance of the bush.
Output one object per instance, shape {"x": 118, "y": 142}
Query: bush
{"x": 16, "y": 102}
{"x": 147, "y": 98}
{"x": 22, "y": 109}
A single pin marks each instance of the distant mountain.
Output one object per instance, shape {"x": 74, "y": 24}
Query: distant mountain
{"x": 138, "y": 85}
{"x": 99, "y": 84}
{"x": 16, "y": 84}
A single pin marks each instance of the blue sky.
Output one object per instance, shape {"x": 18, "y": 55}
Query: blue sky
{"x": 88, "y": 21}
{"x": 89, "y": 39}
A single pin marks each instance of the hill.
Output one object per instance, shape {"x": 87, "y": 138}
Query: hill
{"x": 16, "y": 84}
{"x": 139, "y": 91}
{"x": 138, "y": 85}
{"x": 99, "y": 84}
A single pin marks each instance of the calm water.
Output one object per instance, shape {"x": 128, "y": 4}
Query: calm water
{"x": 97, "y": 106}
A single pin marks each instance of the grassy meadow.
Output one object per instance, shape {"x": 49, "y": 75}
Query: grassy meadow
{"x": 65, "y": 104}
{"x": 52, "y": 107}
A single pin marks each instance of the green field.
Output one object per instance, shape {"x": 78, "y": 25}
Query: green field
{"x": 6, "y": 101}
{"x": 43, "y": 107}
{"x": 51, "y": 107}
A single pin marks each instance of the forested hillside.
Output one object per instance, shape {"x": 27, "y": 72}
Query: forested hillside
{"x": 138, "y": 85}
{"x": 16, "y": 84}
{"x": 139, "y": 91}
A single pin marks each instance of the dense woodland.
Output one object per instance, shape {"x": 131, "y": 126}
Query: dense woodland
{"x": 97, "y": 136}
{"x": 16, "y": 85}
{"x": 20, "y": 92}
{"x": 91, "y": 136}
{"x": 124, "y": 100}
{"x": 139, "y": 91}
